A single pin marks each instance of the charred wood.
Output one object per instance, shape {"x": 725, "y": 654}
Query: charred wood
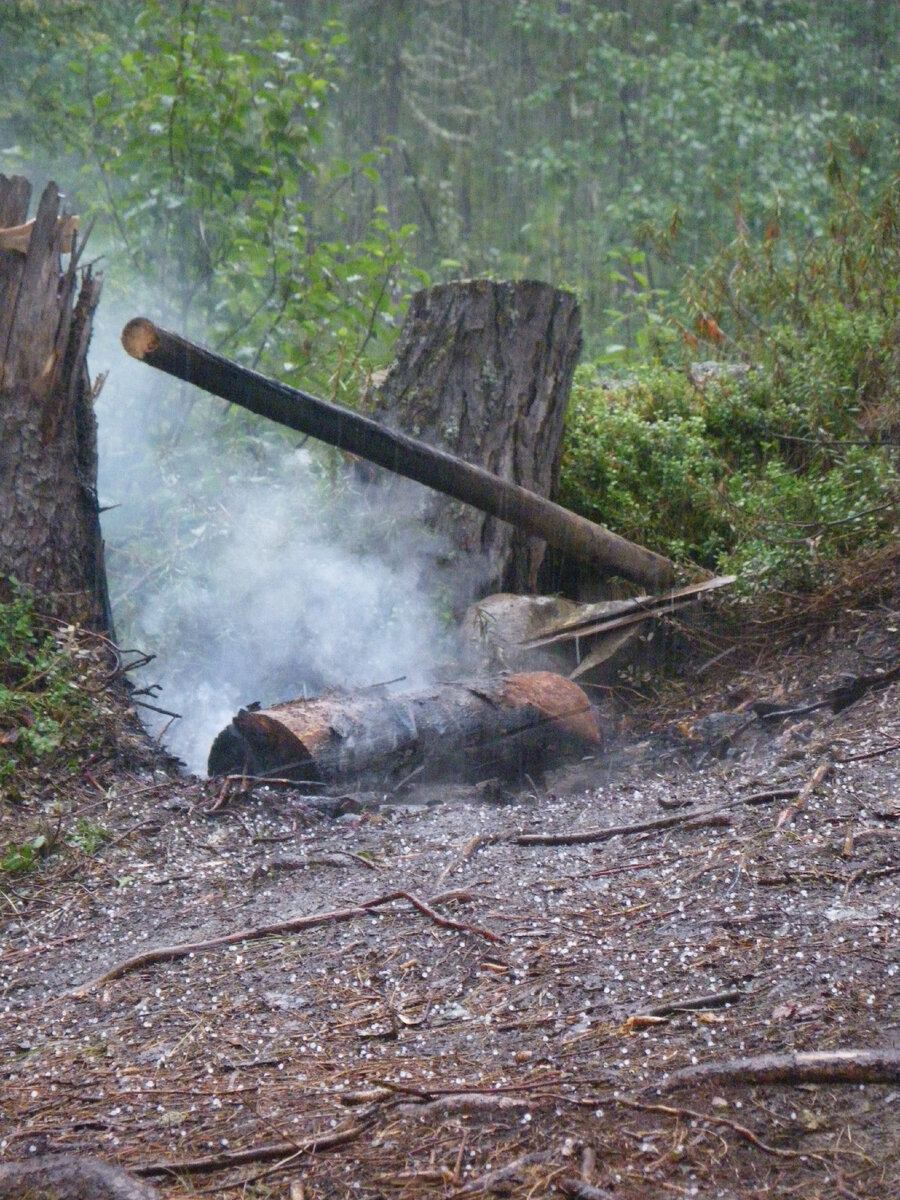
{"x": 511, "y": 727}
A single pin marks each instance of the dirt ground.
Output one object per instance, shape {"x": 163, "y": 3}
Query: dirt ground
{"x": 426, "y": 1003}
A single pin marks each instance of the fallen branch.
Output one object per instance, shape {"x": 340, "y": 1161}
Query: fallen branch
{"x": 852, "y": 758}
{"x": 463, "y": 1102}
{"x": 485, "y": 1183}
{"x": 775, "y": 793}
{"x": 481, "y": 839}
{"x": 267, "y": 1153}
{"x": 823, "y": 769}
{"x": 291, "y": 925}
{"x": 603, "y": 835}
{"x": 360, "y": 435}
{"x": 692, "y": 1003}
{"x": 824, "y": 1066}
{"x": 741, "y": 1130}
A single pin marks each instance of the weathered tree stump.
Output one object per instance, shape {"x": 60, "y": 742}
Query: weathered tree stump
{"x": 50, "y": 537}
{"x": 483, "y": 370}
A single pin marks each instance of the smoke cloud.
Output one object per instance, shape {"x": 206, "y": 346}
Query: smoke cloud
{"x": 254, "y": 567}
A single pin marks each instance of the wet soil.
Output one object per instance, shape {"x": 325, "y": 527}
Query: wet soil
{"x": 417, "y": 996}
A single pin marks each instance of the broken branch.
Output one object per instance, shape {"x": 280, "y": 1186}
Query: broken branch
{"x": 292, "y": 925}
{"x": 603, "y": 835}
{"x": 826, "y": 1066}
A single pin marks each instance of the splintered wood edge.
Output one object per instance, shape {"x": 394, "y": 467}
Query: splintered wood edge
{"x": 139, "y": 337}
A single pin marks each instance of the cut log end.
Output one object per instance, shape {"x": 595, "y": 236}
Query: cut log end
{"x": 140, "y": 338}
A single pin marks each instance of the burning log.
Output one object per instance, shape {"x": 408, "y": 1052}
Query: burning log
{"x": 506, "y": 727}
{"x": 362, "y": 436}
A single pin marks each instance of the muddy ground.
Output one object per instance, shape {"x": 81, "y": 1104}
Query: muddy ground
{"x": 512, "y": 1023}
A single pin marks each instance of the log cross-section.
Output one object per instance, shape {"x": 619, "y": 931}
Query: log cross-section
{"x": 406, "y": 456}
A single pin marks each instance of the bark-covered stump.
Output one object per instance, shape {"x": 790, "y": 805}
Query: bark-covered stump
{"x": 483, "y": 370}
{"x": 49, "y": 517}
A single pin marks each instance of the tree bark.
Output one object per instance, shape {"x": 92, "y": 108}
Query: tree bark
{"x": 483, "y": 371}
{"x": 50, "y": 537}
{"x": 481, "y": 729}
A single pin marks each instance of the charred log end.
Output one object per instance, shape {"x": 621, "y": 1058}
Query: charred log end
{"x": 558, "y": 701}
{"x": 256, "y": 744}
{"x": 139, "y": 337}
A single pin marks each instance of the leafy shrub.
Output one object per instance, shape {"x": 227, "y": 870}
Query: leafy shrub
{"x": 35, "y": 693}
{"x": 777, "y": 471}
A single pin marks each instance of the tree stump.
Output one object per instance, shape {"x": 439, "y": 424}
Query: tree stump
{"x": 49, "y": 517}
{"x": 483, "y": 370}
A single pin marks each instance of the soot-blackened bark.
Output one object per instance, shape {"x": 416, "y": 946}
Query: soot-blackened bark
{"x": 483, "y": 370}
{"x": 506, "y": 726}
{"x": 49, "y": 519}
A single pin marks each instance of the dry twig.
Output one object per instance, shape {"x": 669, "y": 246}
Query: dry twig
{"x": 741, "y": 1130}
{"x": 692, "y": 1003}
{"x": 286, "y": 1151}
{"x": 823, "y": 769}
{"x": 824, "y": 1066}
{"x": 292, "y": 925}
{"x": 603, "y": 835}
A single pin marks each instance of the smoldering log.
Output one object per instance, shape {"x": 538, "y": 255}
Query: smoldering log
{"x": 360, "y": 435}
{"x": 507, "y": 727}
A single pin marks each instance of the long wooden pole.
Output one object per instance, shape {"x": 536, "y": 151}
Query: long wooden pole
{"x": 403, "y": 455}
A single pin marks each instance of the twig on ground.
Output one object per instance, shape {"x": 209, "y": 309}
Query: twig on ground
{"x": 852, "y": 758}
{"x": 292, "y": 925}
{"x": 463, "y": 1102}
{"x": 483, "y": 839}
{"x": 603, "y": 835}
{"x": 820, "y": 1066}
{"x": 286, "y": 1151}
{"x": 823, "y": 769}
{"x": 485, "y": 1183}
{"x": 712, "y": 1119}
{"x": 766, "y": 797}
{"x": 692, "y": 1003}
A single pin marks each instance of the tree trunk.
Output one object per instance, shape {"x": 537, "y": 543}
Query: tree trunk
{"x": 483, "y": 370}
{"x": 480, "y": 729}
{"x": 49, "y": 518}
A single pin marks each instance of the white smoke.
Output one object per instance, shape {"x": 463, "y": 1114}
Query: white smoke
{"x": 253, "y": 568}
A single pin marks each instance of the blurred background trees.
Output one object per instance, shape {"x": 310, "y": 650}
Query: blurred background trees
{"x": 715, "y": 180}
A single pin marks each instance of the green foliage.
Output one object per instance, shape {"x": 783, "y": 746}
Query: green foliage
{"x": 203, "y": 144}
{"x": 637, "y": 459}
{"x": 53, "y": 716}
{"x": 36, "y": 687}
{"x": 88, "y": 836}
{"x": 20, "y": 857}
{"x": 777, "y": 470}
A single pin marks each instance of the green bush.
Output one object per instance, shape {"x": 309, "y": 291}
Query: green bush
{"x": 777, "y": 470}
{"x": 35, "y": 692}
